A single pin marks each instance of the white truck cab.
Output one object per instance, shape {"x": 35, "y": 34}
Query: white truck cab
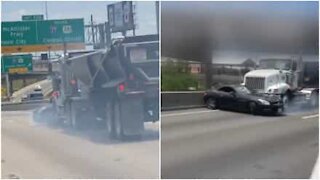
{"x": 266, "y": 81}
{"x": 280, "y": 76}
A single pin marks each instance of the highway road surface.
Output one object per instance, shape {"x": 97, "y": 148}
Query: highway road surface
{"x": 32, "y": 150}
{"x": 202, "y": 143}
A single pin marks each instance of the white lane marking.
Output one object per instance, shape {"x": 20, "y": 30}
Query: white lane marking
{"x": 311, "y": 116}
{"x": 315, "y": 171}
{"x": 186, "y": 113}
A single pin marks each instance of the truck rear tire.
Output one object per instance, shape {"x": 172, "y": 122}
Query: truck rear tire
{"x": 75, "y": 119}
{"x": 78, "y": 119}
{"x": 118, "y": 124}
{"x": 110, "y": 125}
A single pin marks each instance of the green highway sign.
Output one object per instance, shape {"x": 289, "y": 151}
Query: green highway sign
{"x": 19, "y": 34}
{"x": 37, "y": 17}
{"x": 16, "y": 63}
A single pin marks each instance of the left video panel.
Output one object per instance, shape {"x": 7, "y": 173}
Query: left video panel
{"x": 80, "y": 89}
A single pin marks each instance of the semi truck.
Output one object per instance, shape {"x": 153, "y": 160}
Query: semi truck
{"x": 291, "y": 78}
{"x": 117, "y": 88}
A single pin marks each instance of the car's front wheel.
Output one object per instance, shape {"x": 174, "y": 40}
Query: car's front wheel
{"x": 211, "y": 103}
{"x": 252, "y": 108}
{"x": 278, "y": 111}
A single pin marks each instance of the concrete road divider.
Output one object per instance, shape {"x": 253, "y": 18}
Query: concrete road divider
{"x": 21, "y": 106}
{"x": 172, "y": 100}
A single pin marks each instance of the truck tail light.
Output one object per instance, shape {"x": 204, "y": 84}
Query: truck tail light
{"x": 55, "y": 94}
{"x": 73, "y": 82}
{"x": 121, "y": 87}
{"x": 131, "y": 77}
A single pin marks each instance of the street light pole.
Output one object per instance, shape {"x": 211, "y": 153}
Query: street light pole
{"x": 46, "y": 9}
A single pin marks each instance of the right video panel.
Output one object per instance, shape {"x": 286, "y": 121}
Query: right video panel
{"x": 239, "y": 90}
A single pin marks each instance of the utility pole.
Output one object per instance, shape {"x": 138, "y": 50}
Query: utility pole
{"x": 49, "y": 50}
{"x": 92, "y": 30}
{"x": 157, "y": 15}
{"x": 8, "y": 85}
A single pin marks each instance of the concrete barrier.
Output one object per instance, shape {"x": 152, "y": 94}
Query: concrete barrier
{"x": 181, "y": 100}
{"x": 22, "y": 106}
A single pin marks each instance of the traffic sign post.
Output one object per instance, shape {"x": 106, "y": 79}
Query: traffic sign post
{"x": 31, "y": 36}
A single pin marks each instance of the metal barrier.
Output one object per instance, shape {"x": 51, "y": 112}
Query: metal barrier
{"x": 181, "y": 100}
{"x": 21, "y": 106}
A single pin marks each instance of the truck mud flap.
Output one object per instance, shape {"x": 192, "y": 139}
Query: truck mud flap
{"x": 132, "y": 115}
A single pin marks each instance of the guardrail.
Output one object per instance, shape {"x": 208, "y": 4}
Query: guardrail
{"x": 21, "y": 106}
{"x": 169, "y": 101}
{"x": 172, "y": 100}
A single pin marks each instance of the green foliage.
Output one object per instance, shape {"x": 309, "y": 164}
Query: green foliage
{"x": 175, "y": 76}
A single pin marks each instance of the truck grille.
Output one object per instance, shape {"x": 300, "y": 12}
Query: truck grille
{"x": 254, "y": 83}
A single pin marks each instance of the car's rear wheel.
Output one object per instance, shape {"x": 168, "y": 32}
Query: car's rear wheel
{"x": 211, "y": 103}
{"x": 252, "y": 108}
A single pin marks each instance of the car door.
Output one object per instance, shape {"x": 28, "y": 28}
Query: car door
{"x": 241, "y": 101}
{"x": 227, "y": 100}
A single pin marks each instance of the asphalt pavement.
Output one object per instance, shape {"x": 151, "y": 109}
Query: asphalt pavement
{"x": 202, "y": 143}
{"x": 33, "y": 150}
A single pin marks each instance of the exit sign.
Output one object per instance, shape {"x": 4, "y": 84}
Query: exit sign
{"x": 38, "y": 17}
{"x": 16, "y": 63}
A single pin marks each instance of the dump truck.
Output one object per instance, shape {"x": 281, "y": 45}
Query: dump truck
{"x": 117, "y": 88}
{"x": 293, "y": 79}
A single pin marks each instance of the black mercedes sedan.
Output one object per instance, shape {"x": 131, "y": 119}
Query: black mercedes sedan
{"x": 242, "y": 99}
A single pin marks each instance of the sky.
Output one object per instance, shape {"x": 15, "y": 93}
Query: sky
{"x": 13, "y": 10}
{"x": 239, "y": 30}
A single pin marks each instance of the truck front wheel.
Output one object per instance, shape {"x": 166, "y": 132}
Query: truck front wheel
{"x": 285, "y": 101}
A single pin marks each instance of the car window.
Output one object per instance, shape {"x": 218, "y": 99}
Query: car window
{"x": 36, "y": 95}
{"x": 227, "y": 89}
{"x": 243, "y": 90}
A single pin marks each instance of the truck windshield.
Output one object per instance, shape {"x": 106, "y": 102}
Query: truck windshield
{"x": 144, "y": 53}
{"x": 283, "y": 64}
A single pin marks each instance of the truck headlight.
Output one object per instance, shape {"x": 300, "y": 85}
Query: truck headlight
{"x": 264, "y": 102}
